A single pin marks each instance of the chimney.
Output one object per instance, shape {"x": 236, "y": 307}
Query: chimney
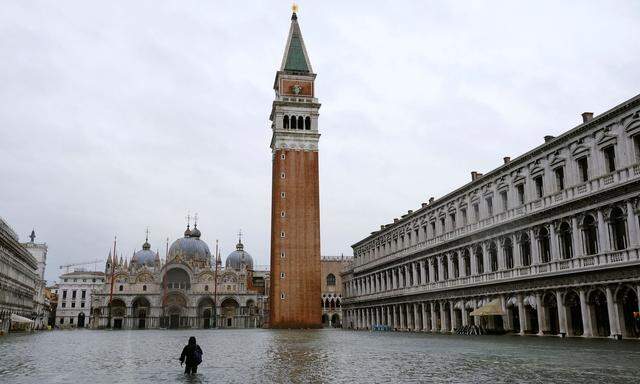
{"x": 548, "y": 138}
{"x": 395, "y": 220}
{"x": 587, "y": 117}
{"x": 506, "y": 159}
{"x": 381, "y": 227}
{"x": 409, "y": 211}
{"x": 431, "y": 200}
{"x": 424, "y": 205}
{"x": 475, "y": 175}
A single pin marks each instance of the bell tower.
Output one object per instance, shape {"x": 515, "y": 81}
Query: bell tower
{"x": 295, "y": 205}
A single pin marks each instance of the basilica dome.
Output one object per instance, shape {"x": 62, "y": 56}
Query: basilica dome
{"x": 190, "y": 247}
{"x": 144, "y": 257}
{"x": 238, "y": 258}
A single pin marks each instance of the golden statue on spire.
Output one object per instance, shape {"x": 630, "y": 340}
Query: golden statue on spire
{"x": 294, "y": 8}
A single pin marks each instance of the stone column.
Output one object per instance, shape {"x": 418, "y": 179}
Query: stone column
{"x": 432, "y": 265}
{"x": 394, "y": 317}
{"x": 502, "y": 262}
{"x": 632, "y": 225}
{"x": 401, "y": 309}
{"x": 562, "y": 313}
{"x": 541, "y": 314}
{"x": 535, "y": 253}
{"x": 614, "y": 324}
{"x": 517, "y": 254}
{"x": 576, "y": 238}
{"x": 486, "y": 257}
{"x": 434, "y": 322}
{"x": 410, "y": 319}
{"x": 423, "y": 272}
{"x": 603, "y": 234}
{"x": 464, "y": 314}
{"x": 416, "y": 327}
{"x": 450, "y": 257}
{"x": 443, "y": 322}
{"x": 461, "y": 267}
{"x": 474, "y": 261}
{"x": 424, "y": 316}
{"x": 584, "y": 310}
{"x": 452, "y": 315}
{"x": 521, "y": 315}
{"x": 553, "y": 239}
{"x": 415, "y": 273}
{"x": 440, "y": 266}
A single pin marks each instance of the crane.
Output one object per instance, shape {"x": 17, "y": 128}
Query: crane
{"x": 67, "y": 266}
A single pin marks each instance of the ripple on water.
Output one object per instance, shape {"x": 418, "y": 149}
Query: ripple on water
{"x": 265, "y": 356}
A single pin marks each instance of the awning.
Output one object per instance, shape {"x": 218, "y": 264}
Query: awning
{"x": 494, "y": 308}
{"x": 19, "y": 319}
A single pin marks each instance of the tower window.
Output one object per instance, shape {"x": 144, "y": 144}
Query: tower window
{"x": 559, "y": 172}
{"x": 610, "y": 158}
{"x": 307, "y": 123}
{"x": 282, "y": 156}
{"x": 520, "y": 192}
{"x": 285, "y": 122}
{"x": 282, "y": 194}
{"x": 539, "y": 186}
{"x": 282, "y": 214}
{"x": 300, "y": 122}
{"x": 282, "y": 275}
{"x": 583, "y": 168}
{"x": 281, "y": 295}
{"x": 282, "y": 255}
{"x": 282, "y": 175}
{"x": 293, "y": 122}
{"x": 282, "y": 234}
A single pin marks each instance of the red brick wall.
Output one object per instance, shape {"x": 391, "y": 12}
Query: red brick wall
{"x": 301, "y": 244}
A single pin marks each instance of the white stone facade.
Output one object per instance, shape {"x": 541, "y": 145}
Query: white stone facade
{"x": 41, "y": 302}
{"x": 75, "y": 293}
{"x": 553, "y": 234}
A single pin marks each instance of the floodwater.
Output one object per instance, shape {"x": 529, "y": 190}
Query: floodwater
{"x": 320, "y": 356}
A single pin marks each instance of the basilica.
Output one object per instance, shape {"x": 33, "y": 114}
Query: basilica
{"x": 190, "y": 289}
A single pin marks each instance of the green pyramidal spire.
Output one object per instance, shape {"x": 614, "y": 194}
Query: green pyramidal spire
{"x": 295, "y": 56}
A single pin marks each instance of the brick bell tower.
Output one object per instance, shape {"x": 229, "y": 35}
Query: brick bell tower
{"x": 295, "y": 207}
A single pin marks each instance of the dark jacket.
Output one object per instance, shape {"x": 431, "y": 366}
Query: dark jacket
{"x": 188, "y": 352}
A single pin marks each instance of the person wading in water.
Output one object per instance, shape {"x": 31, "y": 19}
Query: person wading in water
{"x": 193, "y": 355}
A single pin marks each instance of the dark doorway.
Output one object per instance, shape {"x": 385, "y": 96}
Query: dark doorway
{"x": 81, "y": 320}
{"x": 174, "y": 321}
{"x": 207, "y": 319}
{"x": 142, "y": 323}
{"x": 551, "y": 306}
{"x": 117, "y": 323}
{"x": 229, "y": 322}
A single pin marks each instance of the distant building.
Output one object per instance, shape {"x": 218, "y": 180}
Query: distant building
{"x": 41, "y": 305}
{"x": 547, "y": 243}
{"x": 331, "y": 268}
{"x": 190, "y": 289}
{"x": 51, "y": 296}
{"x": 18, "y": 278}
{"x": 75, "y": 291}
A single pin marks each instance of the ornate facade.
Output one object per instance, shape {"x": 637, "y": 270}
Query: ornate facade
{"x": 18, "y": 278}
{"x": 295, "y": 204}
{"x": 331, "y": 267}
{"x": 190, "y": 289}
{"x": 551, "y": 237}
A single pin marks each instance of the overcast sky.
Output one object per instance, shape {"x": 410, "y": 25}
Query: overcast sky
{"x": 118, "y": 115}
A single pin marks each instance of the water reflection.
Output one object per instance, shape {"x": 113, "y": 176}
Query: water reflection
{"x": 321, "y": 356}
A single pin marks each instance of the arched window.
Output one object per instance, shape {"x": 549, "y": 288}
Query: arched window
{"x": 434, "y": 265}
{"x": 618, "y": 229}
{"x": 206, "y": 288}
{"x": 120, "y": 288}
{"x": 445, "y": 268}
{"x": 590, "y": 235}
{"x": 508, "y": 253}
{"x": 525, "y": 249}
{"x": 545, "y": 245}
{"x": 285, "y": 122}
{"x": 479, "y": 260}
{"x": 300, "y": 122}
{"x": 307, "y": 123}
{"x": 294, "y": 122}
{"x": 331, "y": 279}
{"x": 564, "y": 237}
{"x": 144, "y": 288}
{"x": 456, "y": 266}
{"x": 467, "y": 263}
{"x": 493, "y": 256}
